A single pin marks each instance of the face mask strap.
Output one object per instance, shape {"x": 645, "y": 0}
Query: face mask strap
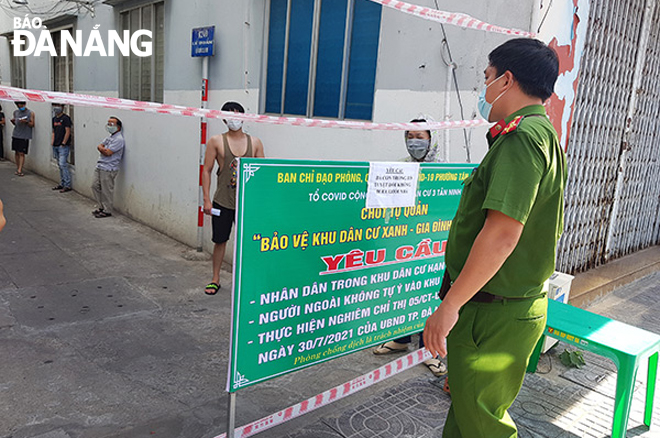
{"x": 501, "y": 94}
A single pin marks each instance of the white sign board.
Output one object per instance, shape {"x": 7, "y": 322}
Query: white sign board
{"x": 392, "y": 185}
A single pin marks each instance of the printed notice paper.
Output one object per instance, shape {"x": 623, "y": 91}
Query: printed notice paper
{"x": 392, "y": 185}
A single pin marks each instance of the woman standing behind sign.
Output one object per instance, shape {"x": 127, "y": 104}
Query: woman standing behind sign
{"x": 421, "y": 149}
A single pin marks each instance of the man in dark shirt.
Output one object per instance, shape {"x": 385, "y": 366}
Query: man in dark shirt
{"x": 61, "y": 142}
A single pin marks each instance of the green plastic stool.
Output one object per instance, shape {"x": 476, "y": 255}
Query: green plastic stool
{"x": 625, "y": 345}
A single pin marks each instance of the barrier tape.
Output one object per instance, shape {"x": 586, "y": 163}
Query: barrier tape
{"x": 19, "y": 94}
{"x": 453, "y": 18}
{"x": 332, "y": 395}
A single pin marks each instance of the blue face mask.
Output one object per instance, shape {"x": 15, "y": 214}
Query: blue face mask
{"x": 482, "y": 105}
{"x": 23, "y": 108}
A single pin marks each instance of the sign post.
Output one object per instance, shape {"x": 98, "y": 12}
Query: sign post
{"x": 202, "y": 46}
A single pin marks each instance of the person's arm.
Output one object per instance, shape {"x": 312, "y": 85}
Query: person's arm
{"x": 31, "y": 120}
{"x": 67, "y": 134}
{"x": 3, "y": 221}
{"x": 52, "y": 137}
{"x": 210, "y": 157}
{"x": 258, "y": 148}
{"x": 104, "y": 150}
{"x": 494, "y": 244}
{"x": 114, "y": 146}
{"x": 2, "y": 120}
{"x": 13, "y": 121}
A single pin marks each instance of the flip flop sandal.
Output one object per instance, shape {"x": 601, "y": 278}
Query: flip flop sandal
{"x": 437, "y": 368}
{"x": 211, "y": 288}
{"x": 384, "y": 349}
{"x": 19, "y": 174}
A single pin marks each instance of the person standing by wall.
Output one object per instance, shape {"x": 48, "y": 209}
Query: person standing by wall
{"x": 502, "y": 245}
{"x": 107, "y": 168}
{"x": 225, "y": 149}
{"x": 60, "y": 139}
{"x": 23, "y": 121}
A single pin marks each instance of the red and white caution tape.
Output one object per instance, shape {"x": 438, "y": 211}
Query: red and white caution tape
{"x": 454, "y": 18}
{"x": 332, "y": 395}
{"x": 19, "y": 94}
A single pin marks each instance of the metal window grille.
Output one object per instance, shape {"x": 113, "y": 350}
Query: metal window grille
{"x": 636, "y": 223}
{"x": 611, "y": 200}
{"x": 309, "y": 69}
{"x": 142, "y": 78}
{"x": 17, "y": 68}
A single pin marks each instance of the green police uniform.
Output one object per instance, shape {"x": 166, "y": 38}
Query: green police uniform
{"x": 522, "y": 176}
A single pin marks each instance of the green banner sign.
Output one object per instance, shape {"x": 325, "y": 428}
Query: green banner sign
{"x": 317, "y": 275}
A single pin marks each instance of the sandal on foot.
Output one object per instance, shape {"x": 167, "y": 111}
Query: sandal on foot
{"x": 102, "y": 214}
{"x": 436, "y": 366}
{"x": 211, "y": 288}
{"x": 390, "y": 347}
{"x": 19, "y": 174}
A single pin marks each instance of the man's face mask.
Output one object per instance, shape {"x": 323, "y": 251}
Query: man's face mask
{"x": 111, "y": 128}
{"x": 418, "y": 147}
{"x": 57, "y": 110}
{"x": 234, "y": 125}
{"x": 483, "y": 105}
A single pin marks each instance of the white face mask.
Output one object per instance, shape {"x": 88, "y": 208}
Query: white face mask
{"x": 234, "y": 125}
{"x": 111, "y": 128}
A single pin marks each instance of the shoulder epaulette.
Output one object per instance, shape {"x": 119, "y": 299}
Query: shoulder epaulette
{"x": 502, "y": 127}
{"x": 513, "y": 125}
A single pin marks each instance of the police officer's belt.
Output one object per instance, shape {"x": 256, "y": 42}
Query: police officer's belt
{"x": 485, "y": 297}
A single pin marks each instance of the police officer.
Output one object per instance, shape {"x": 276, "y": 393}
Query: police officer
{"x": 501, "y": 246}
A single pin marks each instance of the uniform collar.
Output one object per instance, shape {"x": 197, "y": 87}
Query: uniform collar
{"x": 499, "y": 126}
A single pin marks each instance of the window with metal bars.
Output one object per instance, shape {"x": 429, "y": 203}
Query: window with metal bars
{"x": 142, "y": 78}
{"x": 322, "y": 58}
{"x": 17, "y": 66}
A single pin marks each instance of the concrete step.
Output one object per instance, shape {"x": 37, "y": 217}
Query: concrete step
{"x": 589, "y": 287}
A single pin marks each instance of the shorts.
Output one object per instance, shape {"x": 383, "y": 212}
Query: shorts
{"x": 20, "y": 145}
{"x": 222, "y": 224}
